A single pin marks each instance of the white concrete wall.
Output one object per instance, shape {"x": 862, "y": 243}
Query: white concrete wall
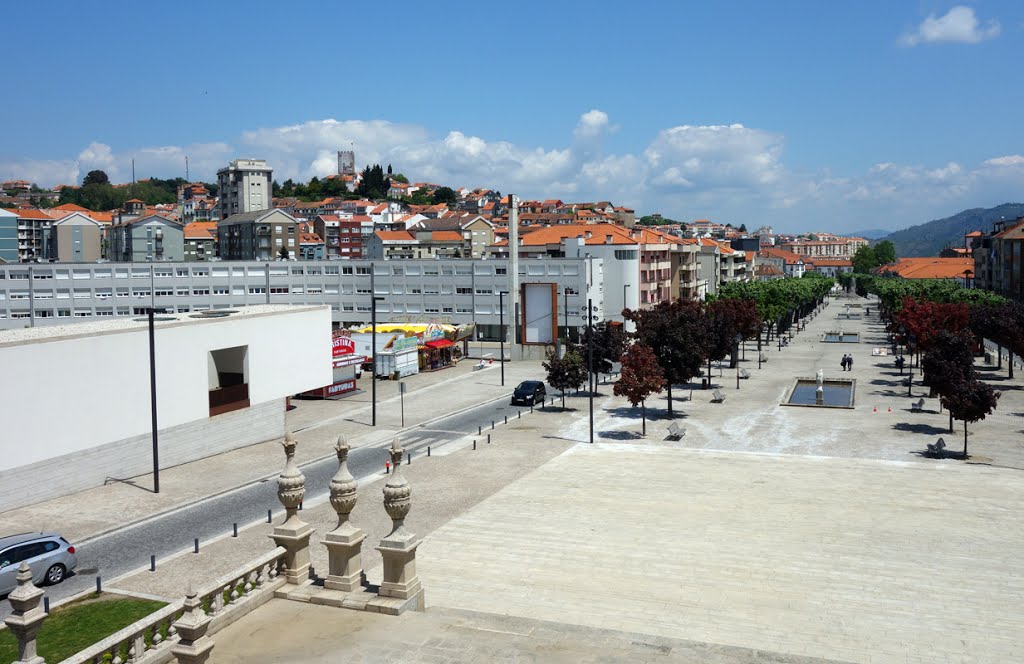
{"x": 65, "y": 396}
{"x": 118, "y": 460}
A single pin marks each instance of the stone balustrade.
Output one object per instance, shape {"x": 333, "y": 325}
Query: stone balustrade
{"x": 149, "y": 641}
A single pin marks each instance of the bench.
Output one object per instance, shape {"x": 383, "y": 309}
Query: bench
{"x": 936, "y": 450}
{"x": 675, "y": 432}
{"x": 717, "y": 397}
{"x": 744, "y": 374}
{"x": 917, "y": 406}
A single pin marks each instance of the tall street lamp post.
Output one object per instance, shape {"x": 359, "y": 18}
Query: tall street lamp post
{"x": 624, "y": 287}
{"x": 373, "y": 348}
{"x": 589, "y": 311}
{"x": 152, "y": 400}
{"x": 501, "y": 332}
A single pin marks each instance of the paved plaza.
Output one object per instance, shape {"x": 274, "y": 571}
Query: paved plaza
{"x": 767, "y": 534}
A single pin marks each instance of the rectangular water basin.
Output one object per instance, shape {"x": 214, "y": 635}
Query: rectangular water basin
{"x": 844, "y": 338}
{"x": 836, "y": 393}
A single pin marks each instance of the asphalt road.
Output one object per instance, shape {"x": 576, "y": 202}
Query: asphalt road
{"x": 124, "y": 550}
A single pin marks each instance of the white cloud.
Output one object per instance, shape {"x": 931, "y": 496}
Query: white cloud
{"x": 728, "y": 172}
{"x": 1008, "y": 160}
{"x": 958, "y": 25}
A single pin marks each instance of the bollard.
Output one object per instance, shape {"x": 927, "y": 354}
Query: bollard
{"x": 410, "y": 459}
{"x": 46, "y": 605}
{"x": 474, "y": 443}
{"x": 428, "y": 450}
{"x": 479, "y": 430}
{"x": 506, "y": 419}
{"x": 492, "y": 424}
{"x": 234, "y": 529}
{"x": 270, "y": 517}
{"x": 519, "y": 414}
{"x": 531, "y": 408}
{"x": 152, "y": 563}
{"x": 488, "y": 439}
{"x": 99, "y": 585}
{"x": 196, "y": 548}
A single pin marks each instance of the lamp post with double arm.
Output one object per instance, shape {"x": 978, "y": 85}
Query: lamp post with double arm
{"x": 588, "y": 311}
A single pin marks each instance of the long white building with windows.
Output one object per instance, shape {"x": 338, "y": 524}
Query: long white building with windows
{"x": 457, "y": 290}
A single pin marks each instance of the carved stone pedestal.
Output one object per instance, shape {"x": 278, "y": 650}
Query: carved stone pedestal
{"x": 399, "y": 579}
{"x": 194, "y": 645}
{"x": 294, "y": 539}
{"x": 27, "y": 616}
{"x": 398, "y": 549}
{"x": 344, "y": 543}
{"x": 345, "y": 560}
{"x": 293, "y": 535}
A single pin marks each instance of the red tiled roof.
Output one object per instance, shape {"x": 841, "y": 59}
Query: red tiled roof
{"x": 929, "y": 268}
{"x": 201, "y": 230}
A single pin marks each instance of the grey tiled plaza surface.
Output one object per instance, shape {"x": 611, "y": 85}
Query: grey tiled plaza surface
{"x": 768, "y": 534}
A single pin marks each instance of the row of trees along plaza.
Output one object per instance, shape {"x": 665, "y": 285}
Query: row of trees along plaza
{"x": 673, "y": 341}
{"x": 944, "y": 325}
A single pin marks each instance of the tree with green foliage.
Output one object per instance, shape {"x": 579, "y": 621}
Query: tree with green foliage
{"x": 283, "y": 253}
{"x": 640, "y": 378}
{"x": 95, "y": 177}
{"x": 970, "y": 401}
{"x": 373, "y": 184}
{"x": 609, "y": 343}
{"x": 864, "y": 260}
{"x": 678, "y": 334}
{"x": 885, "y": 252}
{"x": 398, "y": 177}
{"x": 565, "y": 372}
{"x": 445, "y": 195}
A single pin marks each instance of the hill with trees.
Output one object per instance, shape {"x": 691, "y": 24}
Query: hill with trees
{"x": 930, "y": 238}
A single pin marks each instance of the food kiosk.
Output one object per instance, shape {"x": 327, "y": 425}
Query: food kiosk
{"x": 345, "y": 363}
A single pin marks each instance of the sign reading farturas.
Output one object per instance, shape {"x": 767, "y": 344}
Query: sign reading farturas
{"x": 433, "y": 332}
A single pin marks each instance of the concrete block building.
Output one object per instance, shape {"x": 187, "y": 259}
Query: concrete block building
{"x": 221, "y": 385}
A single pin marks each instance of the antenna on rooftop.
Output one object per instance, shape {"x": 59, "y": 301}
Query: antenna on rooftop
{"x": 186, "y": 169}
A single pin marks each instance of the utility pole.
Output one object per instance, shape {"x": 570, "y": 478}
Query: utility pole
{"x": 501, "y": 332}
{"x": 152, "y": 401}
{"x": 513, "y": 267}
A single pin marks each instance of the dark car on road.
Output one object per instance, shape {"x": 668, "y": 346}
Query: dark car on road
{"x": 529, "y": 392}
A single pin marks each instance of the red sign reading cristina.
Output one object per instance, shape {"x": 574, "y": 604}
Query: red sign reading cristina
{"x": 342, "y": 346}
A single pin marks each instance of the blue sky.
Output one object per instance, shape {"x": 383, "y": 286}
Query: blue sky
{"x": 802, "y": 115}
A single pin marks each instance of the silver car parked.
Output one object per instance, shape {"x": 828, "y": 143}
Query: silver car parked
{"x": 49, "y": 556}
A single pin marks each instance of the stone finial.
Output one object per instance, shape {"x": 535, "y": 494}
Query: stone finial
{"x": 345, "y": 567}
{"x": 343, "y": 486}
{"x": 193, "y": 646}
{"x": 27, "y": 617}
{"x": 291, "y": 485}
{"x": 397, "y": 493}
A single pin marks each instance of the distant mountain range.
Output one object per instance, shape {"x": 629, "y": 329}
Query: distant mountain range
{"x": 930, "y": 238}
{"x": 871, "y": 234}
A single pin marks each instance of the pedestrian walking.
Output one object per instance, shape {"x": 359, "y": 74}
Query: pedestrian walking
{"x": 849, "y": 362}
{"x": 842, "y": 362}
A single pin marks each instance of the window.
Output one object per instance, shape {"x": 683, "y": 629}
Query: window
{"x": 348, "y": 270}
{"x": 84, "y": 274}
{"x": 181, "y": 292}
{"x": 314, "y": 290}
{"x": 347, "y": 307}
{"x": 431, "y": 290}
{"x": 160, "y": 292}
{"x": 501, "y": 270}
{"x": 181, "y": 272}
{"x": 416, "y": 291}
{"x": 80, "y": 294}
{"x": 432, "y": 310}
{"x": 398, "y": 271}
{"x": 361, "y": 270}
{"x": 278, "y": 290}
{"x": 330, "y": 270}
{"x": 200, "y": 291}
{"x": 221, "y": 290}
{"x": 463, "y": 290}
{"x": 448, "y": 310}
{"x": 484, "y": 291}
{"x": 136, "y": 292}
{"x": 257, "y": 290}
{"x": 162, "y": 272}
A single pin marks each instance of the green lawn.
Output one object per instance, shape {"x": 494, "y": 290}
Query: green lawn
{"x": 76, "y": 626}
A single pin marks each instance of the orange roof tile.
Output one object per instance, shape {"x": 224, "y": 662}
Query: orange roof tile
{"x": 400, "y": 236}
{"x": 201, "y": 230}
{"x": 72, "y": 207}
{"x": 929, "y": 268}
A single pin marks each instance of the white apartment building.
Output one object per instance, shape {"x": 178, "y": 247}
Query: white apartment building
{"x": 454, "y": 290}
{"x": 246, "y": 185}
